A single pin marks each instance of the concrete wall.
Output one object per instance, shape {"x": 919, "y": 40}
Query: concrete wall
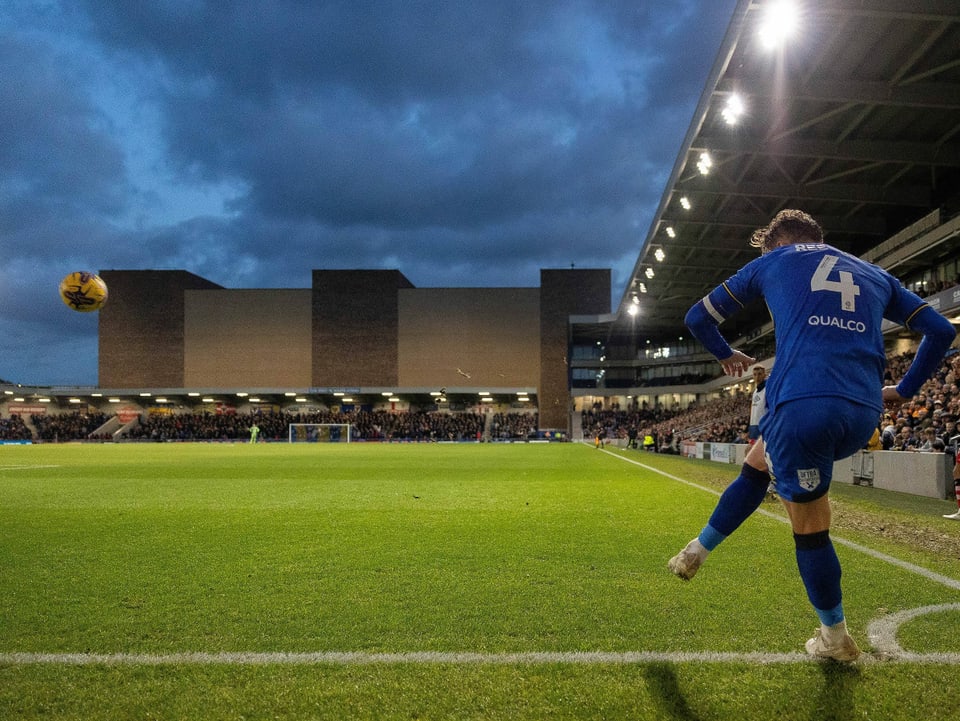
{"x": 253, "y": 338}
{"x": 922, "y": 474}
{"x": 490, "y": 334}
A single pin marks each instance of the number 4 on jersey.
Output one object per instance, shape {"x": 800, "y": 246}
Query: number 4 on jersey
{"x": 847, "y": 289}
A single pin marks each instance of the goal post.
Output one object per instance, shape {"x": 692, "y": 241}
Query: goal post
{"x": 319, "y": 433}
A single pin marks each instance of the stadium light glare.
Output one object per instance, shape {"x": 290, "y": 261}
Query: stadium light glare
{"x": 649, "y": 273}
{"x": 300, "y": 400}
{"x": 779, "y": 23}
{"x": 642, "y": 287}
{"x": 74, "y": 400}
{"x": 113, "y": 400}
{"x": 733, "y": 109}
{"x": 671, "y": 232}
{"x": 659, "y": 255}
{"x": 207, "y": 400}
{"x": 193, "y": 394}
{"x": 685, "y": 202}
{"x": 704, "y": 163}
{"x": 632, "y": 309}
{"x": 18, "y": 400}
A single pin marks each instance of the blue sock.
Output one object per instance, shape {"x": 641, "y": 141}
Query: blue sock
{"x": 820, "y": 571}
{"x": 741, "y": 498}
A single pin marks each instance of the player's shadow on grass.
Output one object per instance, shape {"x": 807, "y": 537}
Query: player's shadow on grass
{"x": 666, "y": 693}
{"x": 836, "y": 697}
{"x": 835, "y": 702}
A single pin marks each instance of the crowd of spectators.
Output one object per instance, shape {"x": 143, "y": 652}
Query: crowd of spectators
{"x": 14, "y": 429}
{"x": 67, "y": 426}
{"x": 513, "y": 426}
{"x": 366, "y": 425}
{"x": 928, "y": 421}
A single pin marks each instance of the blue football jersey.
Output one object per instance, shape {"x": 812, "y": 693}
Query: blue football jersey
{"x": 827, "y": 308}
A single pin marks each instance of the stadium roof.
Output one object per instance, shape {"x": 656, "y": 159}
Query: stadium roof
{"x": 853, "y": 118}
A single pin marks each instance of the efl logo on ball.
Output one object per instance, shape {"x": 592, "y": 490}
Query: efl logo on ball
{"x": 83, "y": 291}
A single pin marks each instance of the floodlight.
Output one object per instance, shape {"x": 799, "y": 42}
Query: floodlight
{"x": 685, "y": 202}
{"x": 779, "y": 23}
{"x": 632, "y": 309}
{"x": 671, "y": 232}
{"x": 648, "y": 272}
{"x": 733, "y": 109}
{"x": 659, "y": 255}
{"x": 705, "y": 163}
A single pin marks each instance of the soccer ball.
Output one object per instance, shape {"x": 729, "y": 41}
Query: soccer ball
{"x": 83, "y": 291}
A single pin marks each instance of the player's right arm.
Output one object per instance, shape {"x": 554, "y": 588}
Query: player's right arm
{"x": 704, "y": 320}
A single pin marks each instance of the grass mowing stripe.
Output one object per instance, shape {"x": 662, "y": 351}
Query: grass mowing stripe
{"x": 452, "y": 658}
{"x": 393, "y": 555}
{"x": 879, "y": 555}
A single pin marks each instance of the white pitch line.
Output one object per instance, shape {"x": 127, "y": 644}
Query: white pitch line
{"x": 28, "y": 468}
{"x": 879, "y": 555}
{"x": 882, "y": 634}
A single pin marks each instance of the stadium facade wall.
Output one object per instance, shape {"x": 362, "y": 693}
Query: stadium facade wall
{"x": 351, "y": 329}
{"x": 254, "y": 338}
{"x": 489, "y": 334}
{"x": 564, "y": 293}
{"x": 356, "y": 321}
{"x": 141, "y": 328}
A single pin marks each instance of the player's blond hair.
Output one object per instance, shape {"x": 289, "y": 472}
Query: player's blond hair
{"x": 792, "y": 226}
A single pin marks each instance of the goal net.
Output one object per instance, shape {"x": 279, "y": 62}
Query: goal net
{"x": 319, "y": 432}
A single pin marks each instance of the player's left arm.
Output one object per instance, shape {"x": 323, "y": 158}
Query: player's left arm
{"x": 938, "y": 334}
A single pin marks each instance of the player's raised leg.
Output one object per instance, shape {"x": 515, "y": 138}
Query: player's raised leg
{"x": 736, "y": 504}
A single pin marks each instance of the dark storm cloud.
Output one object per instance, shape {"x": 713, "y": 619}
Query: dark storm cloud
{"x": 408, "y": 114}
{"x": 56, "y": 151}
{"x": 465, "y": 144}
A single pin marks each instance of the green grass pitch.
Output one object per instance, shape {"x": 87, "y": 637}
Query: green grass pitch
{"x": 167, "y": 581}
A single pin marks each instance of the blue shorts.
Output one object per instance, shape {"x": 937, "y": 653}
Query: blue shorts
{"x": 805, "y": 436}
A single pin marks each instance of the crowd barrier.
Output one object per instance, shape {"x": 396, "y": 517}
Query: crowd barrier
{"x": 717, "y": 452}
{"x": 922, "y": 474}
